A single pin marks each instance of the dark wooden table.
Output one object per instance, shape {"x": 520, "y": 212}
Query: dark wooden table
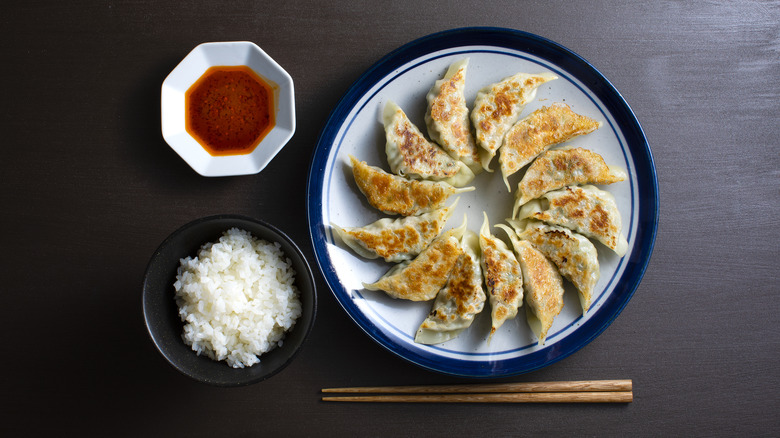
{"x": 89, "y": 189}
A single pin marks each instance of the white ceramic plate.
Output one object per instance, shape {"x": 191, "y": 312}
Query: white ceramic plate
{"x": 189, "y": 70}
{"x": 355, "y": 128}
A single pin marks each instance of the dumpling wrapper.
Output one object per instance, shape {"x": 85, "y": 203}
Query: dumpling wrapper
{"x": 393, "y": 194}
{"x": 461, "y": 299}
{"x": 543, "y": 128}
{"x": 410, "y": 154}
{"x": 587, "y": 210}
{"x": 395, "y": 240}
{"x": 447, "y": 117}
{"x": 543, "y": 286}
{"x": 498, "y": 106}
{"x": 422, "y": 278}
{"x": 573, "y": 254}
{"x": 558, "y": 168}
{"x": 503, "y": 277}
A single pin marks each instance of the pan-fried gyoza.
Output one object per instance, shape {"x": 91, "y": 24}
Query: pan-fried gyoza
{"x": 395, "y": 240}
{"x": 410, "y": 154}
{"x": 543, "y": 128}
{"x": 393, "y": 194}
{"x": 587, "y": 210}
{"x": 422, "y": 278}
{"x": 460, "y": 300}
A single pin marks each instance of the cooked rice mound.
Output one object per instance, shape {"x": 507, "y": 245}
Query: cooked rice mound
{"x": 237, "y": 298}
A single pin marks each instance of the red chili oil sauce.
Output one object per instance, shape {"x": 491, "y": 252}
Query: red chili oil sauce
{"x": 229, "y": 110}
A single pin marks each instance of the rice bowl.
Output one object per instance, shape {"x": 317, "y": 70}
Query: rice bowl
{"x": 237, "y": 298}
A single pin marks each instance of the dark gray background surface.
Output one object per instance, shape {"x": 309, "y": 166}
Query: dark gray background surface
{"x": 89, "y": 189}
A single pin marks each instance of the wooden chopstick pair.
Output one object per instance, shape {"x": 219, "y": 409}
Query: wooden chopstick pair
{"x": 583, "y": 391}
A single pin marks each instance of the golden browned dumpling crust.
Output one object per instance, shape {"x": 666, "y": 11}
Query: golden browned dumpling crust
{"x": 393, "y": 194}
{"x": 419, "y": 156}
{"x": 395, "y": 240}
{"x": 504, "y": 294}
{"x": 573, "y": 254}
{"x": 545, "y": 127}
{"x": 587, "y": 210}
{"x": 410, "y": 154}
{"x": 544, "y": 287}
{"x": 448, "y": 117}
{"x": 498, "y": 106}
{"x": 461, "y": 299}
{"x": 503, "y": 277}
{"x": 388, "y": 243}
{"x": 458, "y": 288}
{"x": 422, "y": 278}
{"x": 556, "y": 169}
{"x": 542, "y": 283}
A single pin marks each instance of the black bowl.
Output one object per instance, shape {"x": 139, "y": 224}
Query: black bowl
{"x": 161, "y": 311}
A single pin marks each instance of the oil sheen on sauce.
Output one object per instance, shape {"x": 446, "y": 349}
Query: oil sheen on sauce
{"x": 229, "y": 110}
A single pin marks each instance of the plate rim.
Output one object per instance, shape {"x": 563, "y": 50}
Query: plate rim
{"x": 613, "y": 101}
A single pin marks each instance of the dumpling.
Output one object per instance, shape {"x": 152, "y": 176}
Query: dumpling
{"x": 447, "y": 117}
{"x": 573, "y": 254}
{"x": 461, "y": 299}
{"x": 422, "y": 278}
{"x": 498, "y": 106}
{"x": 558, "y": 168}
{"x": 503, "y": 277}
{"x": 586, "y": 210}
{"x": 536, "y": 133}
{"x": 543, "y": 286}
{"x": 395, "y": 240}
{"x": 393, "y": 194}
{"x": 410, "y": 154}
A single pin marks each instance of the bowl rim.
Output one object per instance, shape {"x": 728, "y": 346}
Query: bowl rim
{"x": 189, "y": 70}
{"x": 309, "y": 322}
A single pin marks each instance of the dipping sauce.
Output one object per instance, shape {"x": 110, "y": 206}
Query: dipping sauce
{"x": 229, "y": 110}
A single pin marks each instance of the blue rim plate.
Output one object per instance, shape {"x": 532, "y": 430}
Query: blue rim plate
{"x": 405, "y": 76}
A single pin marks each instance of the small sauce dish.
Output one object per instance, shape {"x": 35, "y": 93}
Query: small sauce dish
{"x": 175, "y": 111}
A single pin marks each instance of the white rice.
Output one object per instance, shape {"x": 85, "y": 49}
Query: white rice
{"x": 237, "y": 298}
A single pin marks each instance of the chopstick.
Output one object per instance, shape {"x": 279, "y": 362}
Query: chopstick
{"x": 572, "y": 386}
{"x": 583, "y": 391}
{"x": 520, "y": 397}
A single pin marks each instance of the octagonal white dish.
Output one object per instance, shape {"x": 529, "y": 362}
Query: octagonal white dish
{"x": 192, "y": 67}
